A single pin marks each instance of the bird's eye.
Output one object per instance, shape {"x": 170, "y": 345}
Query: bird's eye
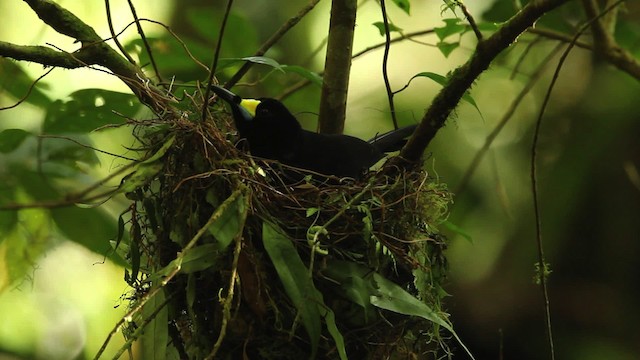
{"x": 263, "y": 111}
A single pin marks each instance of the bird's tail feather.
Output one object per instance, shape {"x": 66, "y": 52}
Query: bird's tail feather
{"x": 393, "y": 140}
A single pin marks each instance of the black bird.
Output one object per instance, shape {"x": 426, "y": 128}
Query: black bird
{"x": 272, "y": 132}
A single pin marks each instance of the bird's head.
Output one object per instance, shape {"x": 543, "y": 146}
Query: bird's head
{"x": 243, "y": 110}
{"x": 258, "y": 115}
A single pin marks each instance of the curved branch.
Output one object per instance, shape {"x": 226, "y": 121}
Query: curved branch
{"x": 463, "y": 77}
{"x": 94, "y": 51}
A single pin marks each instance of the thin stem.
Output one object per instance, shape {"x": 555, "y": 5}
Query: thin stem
{"x": 385, "y": 60}
{"x": 113, "y": 33}
{"x": 144, "y": 40}
{"x": 470, "y": 19}
{"x": 505, "y": 119}
{"x": 214, "y": 64}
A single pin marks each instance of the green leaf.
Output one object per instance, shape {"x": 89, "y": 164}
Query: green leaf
{"x": 160, "y": 153}
{"x": 199, "y": 258}
{"x": 17, "y": 83}
{"x": 264, "y": 61}
{"x": 452, "y": 26}
{"x": 443, "y": 81}
{"x": 229, "y": 218}
{"x": 380, "y": 26}
{"x": 63, "y": 158}
{"x": 91, "y": 228}
{"x": 365, "y": 287}
{"x": 404, "y": 5}
{"x": 155, "y": 336}
{"x": 146, "y": 170}
{"x": 305, "y": 73}
{"x": 330, "y": 320}
{"x": 22, "y": 245}
{"x": 295, "y": 278}
{"x": 458, "y": 230}
{"x": 171, "y": 57}
{"x": 447, "y": 48}
{"x": 355, "y": 282}
{"x": 392, "y": 297}
{"x": 89, "y": 109}
{"x": 10, "y": 139}
{"x": 142, "y": 175}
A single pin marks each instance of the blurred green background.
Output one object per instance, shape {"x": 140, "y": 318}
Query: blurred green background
{"x": 588, "y": 163}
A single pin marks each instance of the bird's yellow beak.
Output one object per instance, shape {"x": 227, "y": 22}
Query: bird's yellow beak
{"x": 250, "y": 105}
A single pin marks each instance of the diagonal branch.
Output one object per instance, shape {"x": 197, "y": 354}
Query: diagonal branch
{"x": 606, "y": 45}
{"x": 94, "y": 51}
{"x": 463, "y": 77}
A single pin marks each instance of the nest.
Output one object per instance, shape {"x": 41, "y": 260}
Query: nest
{"x": 385, "y": 223}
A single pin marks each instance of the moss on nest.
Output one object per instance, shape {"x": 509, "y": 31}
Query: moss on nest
{"x": 385, "y": 224}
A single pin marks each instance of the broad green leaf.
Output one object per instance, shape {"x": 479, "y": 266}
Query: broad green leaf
{"x": 364, "y": 287}
{"x": 171, "y": 57}
{"x": 452, "y": 26}
{"x": 91, "y": 228}
{"x": 64, "y": 158}
{"x": 404, "y": 5}
{"x": 264, "y": 61}
{"x": 199, "y": 258}
{"x": 307, "y": 74}
{"x": 229, "y": 219}
{"x": 447, "y": 48}
{"x": 23, "y": 245}
{"x": 142, "y": 175}
{"x": 392, "y": 297}
{"x": 17, "y": 83}
{"x": 330, "y": 320}
{"x": 443, "y": 81}
{"x": 296, "y": 280}
{"x": 380, "y": 26}
{"x": 89, "y": 109}
{"x": 10, "y": 139}
{"x": 355, "y": 282}
{"x": 35, "y": 185}
{"x": 155, "y": 336}
{"x": 146, "y": 170}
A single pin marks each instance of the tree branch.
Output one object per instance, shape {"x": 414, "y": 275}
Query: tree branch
{"x": 94, "y": 51}
{"x": 463, "y": 77}
{"x": 606, "y": 45}
{"x": 333, "y": 101}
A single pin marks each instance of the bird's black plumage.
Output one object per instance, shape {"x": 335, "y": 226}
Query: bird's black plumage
{"x": 274, "y": 133}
